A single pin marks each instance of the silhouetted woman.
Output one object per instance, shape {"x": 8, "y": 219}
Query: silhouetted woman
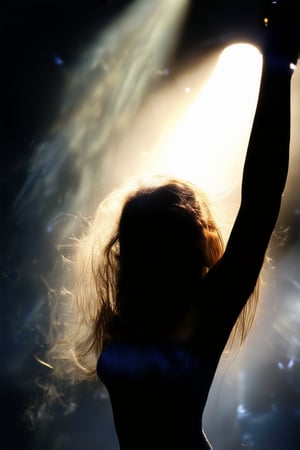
{"x": 158, "y": 293}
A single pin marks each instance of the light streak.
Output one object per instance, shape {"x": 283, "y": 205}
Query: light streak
{"x": 104, "y": 91}
{"x": 44, "y": 363}
{"x": 206, "y": 142}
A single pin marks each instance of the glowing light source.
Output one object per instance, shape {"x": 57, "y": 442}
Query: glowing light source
{"x": 206, "y": 142}
{"x": 58, "y": 60}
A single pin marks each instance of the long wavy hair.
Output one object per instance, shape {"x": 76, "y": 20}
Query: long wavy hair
{"x": 135, "y": 272}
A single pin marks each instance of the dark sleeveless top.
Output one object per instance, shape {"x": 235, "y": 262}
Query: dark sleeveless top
{"x": 158, "y": 393}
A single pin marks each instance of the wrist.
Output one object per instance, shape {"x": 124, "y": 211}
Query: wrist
{"x": 280, "y": 64}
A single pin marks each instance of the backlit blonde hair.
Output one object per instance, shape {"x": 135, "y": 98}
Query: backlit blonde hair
{"x": 91, "y": 309}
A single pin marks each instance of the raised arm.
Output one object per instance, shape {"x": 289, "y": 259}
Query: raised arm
{"x": 264, "y": 175}
{"x": 268, "y": 149}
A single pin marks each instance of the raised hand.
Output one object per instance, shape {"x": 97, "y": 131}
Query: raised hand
{"x": 281, "y": 36}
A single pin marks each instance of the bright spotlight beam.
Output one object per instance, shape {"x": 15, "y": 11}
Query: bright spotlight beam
{"x": 104, "y": 91}
{"x": 208, "y": 141}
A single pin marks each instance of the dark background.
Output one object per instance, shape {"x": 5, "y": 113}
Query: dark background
{"x": 39, "y": 40}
